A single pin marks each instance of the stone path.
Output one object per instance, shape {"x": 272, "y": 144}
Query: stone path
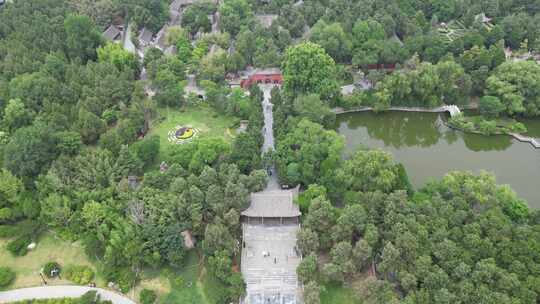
{"x": 268, "y": 132}
{"x": 533, "y": 141}
{"x": 62, "y": 291}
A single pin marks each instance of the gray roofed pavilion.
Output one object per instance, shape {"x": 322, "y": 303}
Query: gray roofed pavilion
{"x": 272, "y": 204}
{"x": 112, "y": 33}
{"x": 145, "y": 37}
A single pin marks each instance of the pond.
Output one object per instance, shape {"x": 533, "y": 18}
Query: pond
{"x": 428, "y": 149}
{"x": 533, "y": 126}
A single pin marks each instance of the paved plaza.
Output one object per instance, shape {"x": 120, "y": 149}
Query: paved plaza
{"x": 269, "y": 261}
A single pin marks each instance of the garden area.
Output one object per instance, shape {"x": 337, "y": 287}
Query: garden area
{"x": 189, "y": 284}
{"x": 199, "y": 122}
{"x": 49, "y": 248}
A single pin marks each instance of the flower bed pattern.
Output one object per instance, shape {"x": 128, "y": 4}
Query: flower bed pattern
{"x": 182, "y": 134}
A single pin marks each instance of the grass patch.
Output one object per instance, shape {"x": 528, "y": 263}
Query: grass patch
{"x": 185, "y": 286}
{"x": 205, "y": 119}
{"x": 338, "y": 294}
{"x": 49, "y": 248}
{"x": 213, "y": 289}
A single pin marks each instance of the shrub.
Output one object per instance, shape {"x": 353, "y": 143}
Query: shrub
{"x": 518, "y": 127}
{"x": 124, "y": 277}
{"x": 18, "y": 247}
{"x": 6, "y": 276}
{"x": 487, "y": 127}
{"x": 51, "y": 269}
{"x": 468, "y": 126}
{"x": 147, "y": 296}
{"x": 79, "y": 274}
{"x": 26, "y": 228}
{"x": 7, "y": 231}
{"x": 90, "y": 297}
{"x": 6, "y": 214}
{"x": 490, "y": 106}
{"x": 147, "y": 149}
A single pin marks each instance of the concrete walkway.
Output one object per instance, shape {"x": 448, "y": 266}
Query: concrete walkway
{"x": 268, "y": 132}
{"x": 61, "y": 291}
{"x": 523, "y": 138}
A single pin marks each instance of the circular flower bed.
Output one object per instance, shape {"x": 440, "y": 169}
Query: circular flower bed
{"x": 182, "y": 134}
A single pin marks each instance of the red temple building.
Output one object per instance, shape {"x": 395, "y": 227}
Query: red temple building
{"x": 258, "y": 76}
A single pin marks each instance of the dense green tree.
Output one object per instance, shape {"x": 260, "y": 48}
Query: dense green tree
{"x": 10, "y": 194}
{"x": 16, "y": 115}
{"x": 90, "y": 126}
{"x": 314, "y": 109}
{"x": 312, "y": 293}
{"x": 333, "y": 39}
{"x": 120, "y": 58}
{"x": 235, "y": 14}
{"x": 312, "y": 151}
{"x": 515, "y": 84}
{"x": 490, "y": 106}
{"x": 195, "y": 17}
{"x": 245, "y": 151}
{"x": 218, "y": 238}
{"x": 369, "y": 171}
{"x": 308, "y": 241}
{"x": 320, "y": 219}
{"x": 308, "y": 69}
{"x": 307, "y": 269}
{"x": 29, "y": 151}
{"x": 82, "y": 37}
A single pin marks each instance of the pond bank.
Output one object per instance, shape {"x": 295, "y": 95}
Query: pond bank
{"x": 452, "y": 109}
{"x": 522, "y": 138}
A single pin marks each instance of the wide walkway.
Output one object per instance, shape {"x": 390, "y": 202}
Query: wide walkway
{"x": 269, "y": 254}
{"x": 61, "y": 291}
{"x": 269, "y": 263}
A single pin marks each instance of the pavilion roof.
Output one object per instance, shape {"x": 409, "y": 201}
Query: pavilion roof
{"x": 277, "y": 203}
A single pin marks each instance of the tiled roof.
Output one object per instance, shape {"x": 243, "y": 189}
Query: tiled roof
{"x": 112, "y": 33}
{"x": 272, "y": 204}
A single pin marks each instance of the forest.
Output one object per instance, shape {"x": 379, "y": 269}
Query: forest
{"x": 80, "y": 160}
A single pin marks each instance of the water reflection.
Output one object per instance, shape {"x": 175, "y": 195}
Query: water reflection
{"x": 397, "y": 129}
{"x": 429, "y": 149}
{"x": 477, "y": 143}
{"x": 533, "y": 126}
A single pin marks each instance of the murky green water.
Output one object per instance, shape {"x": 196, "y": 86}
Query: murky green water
{"x": 429, "y": 149}
{"x": 533, "y": 126}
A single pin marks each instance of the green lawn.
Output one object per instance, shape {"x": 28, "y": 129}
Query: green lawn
{"x": 181, "y": 285}
{"x": 336, "y": 294}
{"x": 49, "y": 248}
{"x": 206, "y": 120}
{"x": 185, "y": 287}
